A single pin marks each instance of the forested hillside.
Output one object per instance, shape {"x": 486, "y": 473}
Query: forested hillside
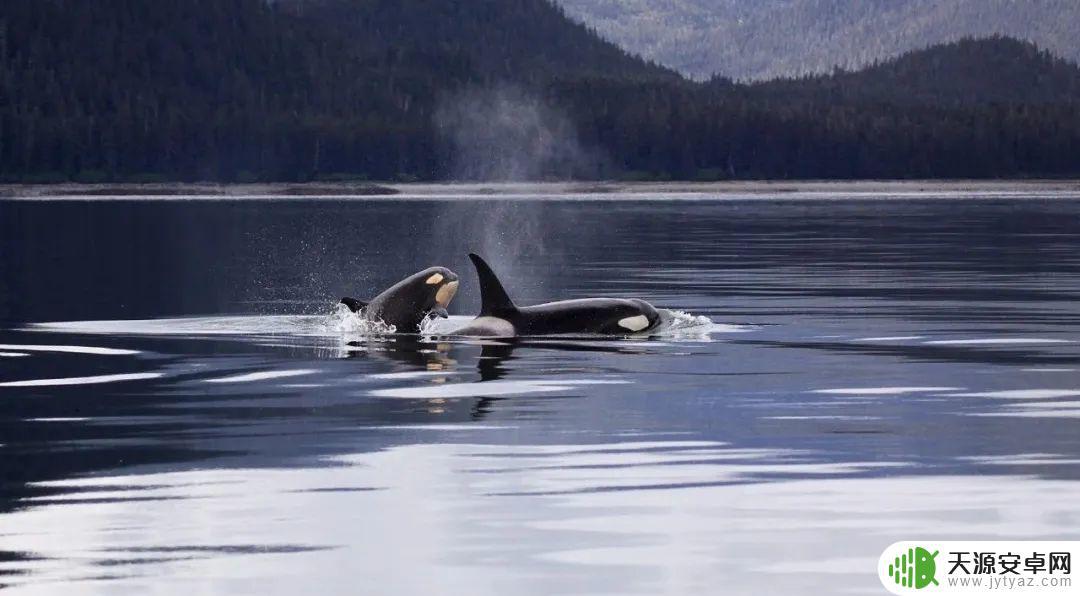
{"x": 530, "y": 41}
{"x": 997, "y": 70}
{"x": 239, "y": 89}
{"x": 763, "y": 39}
{"x": 243, "y": 90}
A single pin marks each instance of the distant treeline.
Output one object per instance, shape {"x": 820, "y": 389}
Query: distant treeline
{"x": 295, "y": 90}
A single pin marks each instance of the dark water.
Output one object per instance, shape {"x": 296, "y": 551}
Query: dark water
{"x": 181, "y": 409}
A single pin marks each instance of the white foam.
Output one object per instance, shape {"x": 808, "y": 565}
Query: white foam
{"x": 70, "y": 350}
{"x": 1022, "y": 459}
{"x": 1047, "y": 405}
{"x": 620, "y": 446}
{"x": 263, "y": 376}
{"x": 883, "y": 390}
{"x": 822, "y": 417}
{"x": 346, "y": 322}
{"x": 13, "y": 354}
{"x": 678, "y": 325}
{"x": 82, "y": 380}
{"x": 442, "y": 427}
{"x": 1024, "y": 394}
{"x": 300, "y": 325}
{"x": 489, "y": 388}
{"x": 893, "y": 338}
{"x": 419, "y": 374}
{"x": 1002, "y": 341}
{"x": 1030, "y": 414}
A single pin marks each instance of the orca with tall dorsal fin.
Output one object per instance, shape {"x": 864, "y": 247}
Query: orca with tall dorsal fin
{"x": 500, "y": 317}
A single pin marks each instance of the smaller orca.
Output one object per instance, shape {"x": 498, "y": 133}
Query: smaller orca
{"x": 407, "y": 303}
{"x": 500, "y": 317}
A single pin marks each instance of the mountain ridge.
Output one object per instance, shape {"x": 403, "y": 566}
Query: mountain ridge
{"x": 995, "y": 69}
{"x": 507, "y": 39}
{"x": 766, "y": 39}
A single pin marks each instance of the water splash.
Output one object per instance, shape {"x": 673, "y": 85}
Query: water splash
{"x": 677, "y": 325}
{"x": 343, "y": 325}
{"x": 348, "y": 323}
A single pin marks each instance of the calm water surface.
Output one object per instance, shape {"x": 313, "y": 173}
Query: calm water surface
{"x": 181, "y": 408}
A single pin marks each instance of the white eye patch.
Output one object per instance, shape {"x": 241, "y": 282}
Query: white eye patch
{"x": 634, "y": 323}
{"x": 446, "y": 294}
{"x": 434, "y": 279}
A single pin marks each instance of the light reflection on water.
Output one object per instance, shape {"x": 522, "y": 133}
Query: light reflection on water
{"x": 870, "y": 367}
{"x": 648, "y": 517}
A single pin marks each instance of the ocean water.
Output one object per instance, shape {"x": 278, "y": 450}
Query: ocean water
{"x": 183, "y": 408}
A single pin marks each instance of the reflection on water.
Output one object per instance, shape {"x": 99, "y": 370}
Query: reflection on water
{"x": 850, "y": 370}
{"x": 628, "y": 517}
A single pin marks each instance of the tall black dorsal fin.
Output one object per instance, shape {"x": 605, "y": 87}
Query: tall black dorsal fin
{"x": 493, "y": 297}
{"x": 354, "y": 304}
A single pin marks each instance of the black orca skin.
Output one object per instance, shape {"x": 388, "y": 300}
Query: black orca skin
{"x": 407, "y": 303}
{"x": 499, "y": 316}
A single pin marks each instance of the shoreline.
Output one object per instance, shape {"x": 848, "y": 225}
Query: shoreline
{"x": 521, "y": 189}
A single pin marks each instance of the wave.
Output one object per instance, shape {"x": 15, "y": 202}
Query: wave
{"x": 345, "y": 325}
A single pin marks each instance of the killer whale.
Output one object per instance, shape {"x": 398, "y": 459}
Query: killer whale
{"x": 408, "y": 302}
{"x": 500, "y": 317}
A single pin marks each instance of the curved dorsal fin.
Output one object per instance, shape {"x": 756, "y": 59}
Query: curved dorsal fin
{"x": 493, "y": 297}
